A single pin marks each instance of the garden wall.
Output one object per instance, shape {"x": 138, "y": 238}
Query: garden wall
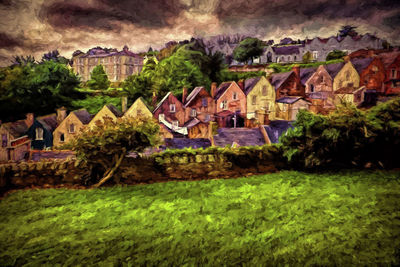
{"x": 183, "y": 164}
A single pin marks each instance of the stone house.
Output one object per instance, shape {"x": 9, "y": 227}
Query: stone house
{"x": 261, "y": 98}
{"x": 71, "y": 126}
{"x": 350, "y": 95}
{"x": 15, "y": 144}
{"x": 138, "y": 108}
{"x": 373, "y": 75}
{"x": 392, "y": 79}
{"x": 118, "y": 65}
{"x": 109, "y": 111}
{"x": 289, "y": 106}
{"x": 40, "y": 130}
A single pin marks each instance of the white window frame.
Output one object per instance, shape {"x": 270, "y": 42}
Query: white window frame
{"x": 234, "y": 96}
{"x": 172, "y": 108}
{"x": 193, "y": 112}
{"x": 224, "y": 105}
{"x": 39, "y": 133}
{"x": 161, "y": 117}
{"x": 315, "y": 55}
{"x": 71, "y": 126}
{"x": 254, "y": 100}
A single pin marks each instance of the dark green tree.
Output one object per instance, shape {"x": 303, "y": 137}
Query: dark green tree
{"x": 307, "y": 57}
{"x": 248, "y": 49}
{"x": 98, "y": 79}
{"x": 335, "y": 54}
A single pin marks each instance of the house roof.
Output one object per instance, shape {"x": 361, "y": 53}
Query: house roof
{"x": 276, "y": 128}
{"x": 162, "y": 101}
{"x": 48, "y": 121}
{"x": 179, "y": 143}
{"x": 221, "y": 89}
{"x": 249, "y": 84}
{"x": 319, "y": 95}
{"x": 193, "y": 122}
{"x": 389, "y": 58}
{"x": 17, "y": 128}
{"x": 83, "y": 115}
{"x": 305, "y": 74}
{"x": 286, "y": 50}
{"x": 346, "y": 90}
{"x": 193, "y": 94}
{"x": 333, "y": 69}
{"x": 361, "y": 64}
{"x": 114, "y": 110}
{"x": 278, "y": 79}
{"x": 289, "y": 99}
{"x": 224, "y": 113}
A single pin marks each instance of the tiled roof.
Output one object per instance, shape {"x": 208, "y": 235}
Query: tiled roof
{"x": 193, "y": 94}
{"x": 83, "y": 115}
{"x": 286, "y": 50}
{"x": 276, "y": 128}
{"x": 162, "y": 101}
{"x": 305, "y": 74}
{"x": 17, "y": 128}
{"x": 278, "y": 79}
{"x": 114, "y": 110}
{"x": 361, "y": 64}
{"x": 221, "y": 89}
{"x": 333, "y": 69}
{"x": 48, "y": 121}
{"x": 389, "y": 58}
{"x": 193, "y": 122}
{"x": 288, "y": 99}
{"x": 179, "y": 143}
{"x": 249, "y": 84}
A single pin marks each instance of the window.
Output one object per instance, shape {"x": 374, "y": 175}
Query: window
{"x": 207, "y": 117}
{"x": 284, "y": 108}
{"x": 204, "y": 102}
{"x": 340, "y": 84}
{"x": 350, "y": 84}
{"x": 71, "y": 128}
{"x": 312, "y": 88}
{"x": 62, "y": 137}
{"x": 254, "y": 100}
{"x": 139, "y": 112}
{"x": 295, "y": 58}
{"x": 193, "y": 112}
{"x": 175, "y": 123}
{"x": 396, "y": 84}
{"x": 39, "y": 134}
{"x": 393, "y": 73}
{"x": 161, "y": 117}
{"x": 234, "y": 96}
{"x": 4, "y": 140}
{"x": 288, "y": 58}
{"x": 374, "y": 69}
{"x": 264, "y": 90}
{"x": 347, "y": 75}
{"x": 315, "y": 54}
{"x": 224, "y": 105}
{"x": 172, "y": 108}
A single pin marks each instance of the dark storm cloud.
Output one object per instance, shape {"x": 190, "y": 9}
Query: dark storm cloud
{"x": 392, "y": 21}
{"x": 107, "y": 14}
{"x": 7, "y": 41}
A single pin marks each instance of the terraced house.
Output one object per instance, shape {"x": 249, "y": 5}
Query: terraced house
{"x": 118, "y": 65}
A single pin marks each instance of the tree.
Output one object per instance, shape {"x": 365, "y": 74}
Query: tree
{"x": 105, "y": 146}
{"x": 98, "y": 79}
{"x": 335, "y": 54}
{"x": 21, "y": 60}
{"x": 55, "y": 56}
{"x": 348, "y": 30}
{"x": 307, "y": 57}
{"x": 247, "y": 49}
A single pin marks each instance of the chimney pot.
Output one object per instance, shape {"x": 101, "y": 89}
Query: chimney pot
{"x": 61, "y": 114}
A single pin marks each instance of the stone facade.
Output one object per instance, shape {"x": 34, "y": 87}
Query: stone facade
{"x": 109, "y": 111}
{"x": 138, "y": 108}
{"x": 261, "y": 98}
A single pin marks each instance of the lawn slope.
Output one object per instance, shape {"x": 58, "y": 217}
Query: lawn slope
{"x": 349, "y": 218}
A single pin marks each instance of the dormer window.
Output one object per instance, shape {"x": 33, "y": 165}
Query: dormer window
{"x": 193, "y": 112}
{"x": 71, "y": 128}
{"x": 172, "y": 108}
{"x": 234, "y": 96}
{"x": 39, "y": 134}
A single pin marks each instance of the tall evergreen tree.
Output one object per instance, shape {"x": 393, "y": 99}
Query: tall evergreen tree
{"x": 98, "y": 79}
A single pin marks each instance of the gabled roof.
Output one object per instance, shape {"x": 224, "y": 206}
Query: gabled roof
{"x": 306, "y": 73}
{"x": 389, "y": 58}
{"x": 193, "y": 122}
{"x": 193, "y": 95}
{"x": 221, "y": 89}
{"x": 361, "y": 64}
{"x": 83, "y": 115}
{"x": 48, "y": 121}
{"x": 162, "y": 101}
{"x": 17, "y": 128}
{"x": 249, "y": 84}
{"x": 114, "y": 110}
{"x": 333, "y": 69}
{"x": 286, "y": 50}
{"x": 278, "y": 79}
{"x": 289, "y": 99}
{"x": 276, "y": 128}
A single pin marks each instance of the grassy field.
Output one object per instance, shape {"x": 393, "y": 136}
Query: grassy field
{"x": 343, "y": 219}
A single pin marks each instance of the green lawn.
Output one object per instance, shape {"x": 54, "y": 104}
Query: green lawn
{"x": 343, "y": 219}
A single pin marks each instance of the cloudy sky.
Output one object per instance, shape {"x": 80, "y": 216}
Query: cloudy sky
{"x": 37, "y": 26}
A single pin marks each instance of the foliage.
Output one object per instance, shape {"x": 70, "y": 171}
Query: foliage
{"x": 98, "y": 79}
{"x": 348, "y": 30}
{"x": 106, "y": 145}
{"x": 55, "y": 56}
{"x": 227, "y": 75}
{"x": 287, "y": 218}
{"x": 247, "y": 49}
{"x": 288, "y": 67}
{"x": 93, "y": 104}
{"x": 345, "y": 138}
{"x": 38, "y": 88}
{"x": 22, "y": 60}
{"x": 307, "y": 57}
{"x": 335, "y": 54}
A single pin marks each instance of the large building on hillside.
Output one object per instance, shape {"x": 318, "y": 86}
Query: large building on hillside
{"x": 117, "y": 64}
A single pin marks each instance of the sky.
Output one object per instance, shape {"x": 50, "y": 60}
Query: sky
{"x": 33, "y": 27}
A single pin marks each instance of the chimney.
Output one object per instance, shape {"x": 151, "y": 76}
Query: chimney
{"x": 154, "y": 100}
{"x": 61, "y": 114}
{"x": 30, "y": 118}
{"x": 124, "y": 103}
{"x": 213, "y": 89}
{"x": 184, "y": 95}
{"x": 241, "y": 84}
{"x": 346, "y": 59}
{"x": 296, "y": 70}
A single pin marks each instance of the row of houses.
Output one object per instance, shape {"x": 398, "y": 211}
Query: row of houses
{"x": 250, "y": 102}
